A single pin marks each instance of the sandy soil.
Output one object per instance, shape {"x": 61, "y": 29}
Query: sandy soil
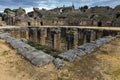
{"x": 15, "y": 67}
{"x": 103, "y": 64}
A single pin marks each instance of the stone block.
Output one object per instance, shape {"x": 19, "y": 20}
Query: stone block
{"x": 68, "y": 55}
{"x": 58, "y": 63}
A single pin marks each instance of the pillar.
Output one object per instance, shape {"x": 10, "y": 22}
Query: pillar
{"x": 21, "y": 33}
{"x": 56, "y": 35}
{"x": 72, "y": 38}
{"x": 58, "y": 39}
{"x": 75, "y": 41}
{"x": 27, "y": 34}
{"x": 80, "y": 36}
{"x": 33, "y": 34}
{"x": 12, "y": 32}
{"x": 84, "y": 37}
{"x": 100, "y": 33}
{"x": 92, "y": 36}
{"x": 17, "y": 33}
{"x": 43, "y": 35}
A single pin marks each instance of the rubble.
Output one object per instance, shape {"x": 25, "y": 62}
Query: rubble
{"x": 69, "y": 55}
{"x": 36, "y": 57}
{"x": 87, "y": 48}
{"x": 58, "y": 63}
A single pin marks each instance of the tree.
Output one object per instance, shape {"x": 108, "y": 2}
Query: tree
{"x": 83, "y": 8}
{"x": 6, "y": 10}
{"x": 86, "y": 7}
{"x": 14, "y": 10}
{"x": 3, "y": 15}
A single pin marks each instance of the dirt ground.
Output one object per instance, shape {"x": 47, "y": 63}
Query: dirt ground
{"x": 103, "y": 64}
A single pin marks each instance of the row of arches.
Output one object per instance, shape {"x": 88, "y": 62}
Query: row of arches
{"x": 29, "y": 23}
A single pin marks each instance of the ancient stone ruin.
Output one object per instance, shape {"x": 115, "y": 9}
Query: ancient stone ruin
{"x": 61, "y": 36}
{"x": 53, "y": 37}
{"x": 67, "y": 16}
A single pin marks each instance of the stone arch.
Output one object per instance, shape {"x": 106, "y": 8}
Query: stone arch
{"x": 117, "y": 15}
{"x": 41, "y": 23}
{"x": 29, "y": 23}
{"x": 99, "y": 23}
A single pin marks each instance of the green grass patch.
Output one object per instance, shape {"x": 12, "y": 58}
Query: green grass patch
{"x": 46, "y": 49}
{"x": 4, "y": 53}
{"x": 80, "y": 41}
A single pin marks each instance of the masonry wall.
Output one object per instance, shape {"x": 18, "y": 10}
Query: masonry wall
{"x": 59, "y": 38}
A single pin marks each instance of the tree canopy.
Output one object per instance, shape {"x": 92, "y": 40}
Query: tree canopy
{"x": 83, "y": 8}
{"x": 6, "y": 10}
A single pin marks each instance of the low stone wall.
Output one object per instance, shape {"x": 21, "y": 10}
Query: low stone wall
{"x": 40, "y": 58}
{"x": 87, "y": 48}
{"x": 36, "y": 57}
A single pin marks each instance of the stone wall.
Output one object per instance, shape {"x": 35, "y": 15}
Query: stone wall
{"x": 61, "y": 39}
{"x": 68, "y": 16}
{"x": 92, "y": 39}
{"x": 36, "y": 57}
{"x": 87, "y": 48}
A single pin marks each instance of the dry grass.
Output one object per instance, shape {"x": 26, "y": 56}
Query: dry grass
{"x": 104, "y": 64}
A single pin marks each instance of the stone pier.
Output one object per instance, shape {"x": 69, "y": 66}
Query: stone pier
{"x": 24, "y": 33}
{"x": 75, "y": 41}
{"x": 60, "y": 38}
{"x": 56, "y": 38}
{"x": 43, "y": 35}
{"x": 33, "y": 34}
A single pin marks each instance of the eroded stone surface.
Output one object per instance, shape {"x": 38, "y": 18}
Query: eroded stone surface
{"x": 36, "y": 57}
{"x": 58, "y": 63}
{"x": 87, "y": 48}
{"x": 40, "y": 58}
{"x": 69, "y": 55}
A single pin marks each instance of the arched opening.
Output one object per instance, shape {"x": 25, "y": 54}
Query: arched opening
{"x": 99, "y": 23}
{"x": 117, "y": 15}
{"x": 41, "y": 23}
{"x": 29, "y": 23}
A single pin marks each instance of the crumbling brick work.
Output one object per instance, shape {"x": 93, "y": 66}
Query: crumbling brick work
{"x": 94, "y": 16}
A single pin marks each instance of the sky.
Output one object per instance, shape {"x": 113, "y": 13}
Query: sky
{"x": 49, "y": 4}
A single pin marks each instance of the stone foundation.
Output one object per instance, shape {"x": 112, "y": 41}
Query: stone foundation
{"x": 61, "y": 39}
